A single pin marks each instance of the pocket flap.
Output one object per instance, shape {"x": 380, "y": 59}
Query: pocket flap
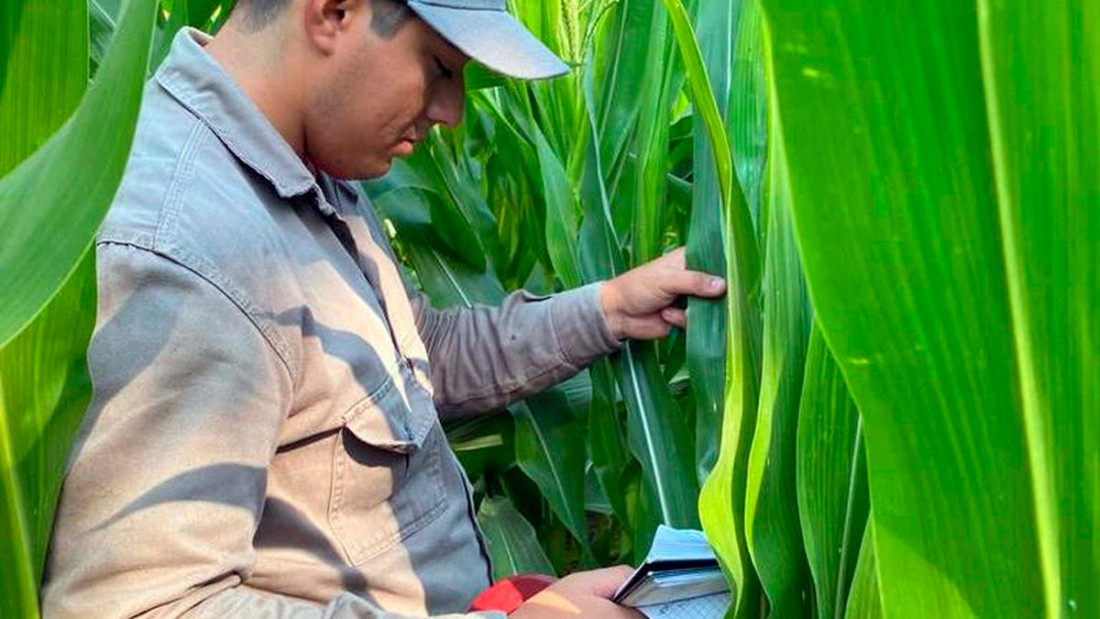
{"x": 396, "y": 417}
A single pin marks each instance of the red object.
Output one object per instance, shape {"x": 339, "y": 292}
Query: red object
{"x": 506, "y": 595}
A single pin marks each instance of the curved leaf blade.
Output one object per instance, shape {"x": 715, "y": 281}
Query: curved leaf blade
{"x": 100, "y": 130}
{"x": 832, "y": 479}
{"x": 513, "y": 546}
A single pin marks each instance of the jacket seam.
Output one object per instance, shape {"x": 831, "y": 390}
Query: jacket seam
{"x": 180, "y": 262}
{"x": 165, "y": 243}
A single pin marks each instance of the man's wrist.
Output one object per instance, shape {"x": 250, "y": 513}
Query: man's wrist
{"x": 610, "y": 305}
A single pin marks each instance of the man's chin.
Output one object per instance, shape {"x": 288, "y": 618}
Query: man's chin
{"x": 376, "y": 168}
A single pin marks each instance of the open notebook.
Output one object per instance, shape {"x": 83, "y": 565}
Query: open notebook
{"x": 680, "y": 578}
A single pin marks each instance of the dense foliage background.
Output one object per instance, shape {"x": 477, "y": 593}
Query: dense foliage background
{"x": 896, "y": 411}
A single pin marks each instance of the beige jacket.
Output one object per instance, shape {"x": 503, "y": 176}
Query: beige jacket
{"x": 264, "y": 438}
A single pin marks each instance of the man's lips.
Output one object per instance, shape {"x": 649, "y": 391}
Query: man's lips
{"x": 404, "y": 147}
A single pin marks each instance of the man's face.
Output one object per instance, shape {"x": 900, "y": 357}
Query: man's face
{"x": 379, "y": 93}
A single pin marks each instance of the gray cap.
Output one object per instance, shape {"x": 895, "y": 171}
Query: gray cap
{"x": 485, "y": 32}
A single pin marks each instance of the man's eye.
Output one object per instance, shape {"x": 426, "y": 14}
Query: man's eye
{"x": 443, "y": 70}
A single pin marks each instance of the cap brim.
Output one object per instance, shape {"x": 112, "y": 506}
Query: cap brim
{"x": 494, "y": 39}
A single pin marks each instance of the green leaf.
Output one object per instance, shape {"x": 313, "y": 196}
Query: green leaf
{"x": 550, "y": 450}
{"x": 513, "y": 547}
{"x": 832, "y": 479}
{"x": 771, "y": 510}
{"x": 705, "y": 246}
{"x": 646, "y": 207}
{"x": 200, "y": 12}
{"x": 948, "y": 234}
{"x": 722, "y": 500}
{"x": 45, "y": 320}
{"x": 561, "y": 214}
{"x": 103, "y": 16}
{"x": 1041, "y": 87}
{"x": 606, "y": 444}
{"x": 68, "y": 213}
{"x": 44, "y": 389}
{"x": 620, "y": 67}
{"x": 483, "y": 443}
{"x": 43, "y": 74}
{"x": 659, "y": 438}
{"x": 865, "y": 601}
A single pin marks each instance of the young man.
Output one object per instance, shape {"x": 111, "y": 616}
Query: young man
{"x": 264, "y": 438}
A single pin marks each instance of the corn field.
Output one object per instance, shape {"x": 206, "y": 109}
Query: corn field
{"x": 894, "y": 412}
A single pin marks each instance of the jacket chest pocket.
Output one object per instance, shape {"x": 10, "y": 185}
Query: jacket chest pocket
{"x": 387, "y": 479}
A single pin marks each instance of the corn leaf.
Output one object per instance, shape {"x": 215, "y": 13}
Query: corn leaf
{"x": 1041, "y": 70}
{"x": 550, "y": 450}
{"x": 705, "y": 247}
{"x": 54, "y": 194}
{"x": 963, "y": 333}
{"x": 40, "y": 83}
{"x": 100, "y": 131}
{"x": 865, "y": 601}
{"x": 607, "y": 447}
{"x": 513, "y": 547}
{"x": 722, "y": 500}
{"x": 772, "y": 527}
{"x": 832, "y": 479}
{"x": 619, "y": 65}
{"x": 561, "y": 213}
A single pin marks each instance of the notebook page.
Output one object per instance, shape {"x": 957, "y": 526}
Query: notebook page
{"x": 706, "y": 607}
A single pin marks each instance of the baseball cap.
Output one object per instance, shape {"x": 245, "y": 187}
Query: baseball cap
{"x": 488, "y": 34}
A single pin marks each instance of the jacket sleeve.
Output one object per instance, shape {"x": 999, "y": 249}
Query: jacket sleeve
{"x": 485, "y": 357}
{"x": 168, "y": 476}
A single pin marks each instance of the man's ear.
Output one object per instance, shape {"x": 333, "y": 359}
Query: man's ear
{"x": 325, "y": 20}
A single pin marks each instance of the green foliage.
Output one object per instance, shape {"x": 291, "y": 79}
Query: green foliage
{"x": 920, "y": 440}
{"x": 954, "y": 313}
{"x": 51, "y": 202}
{"x": 942, "y": 163}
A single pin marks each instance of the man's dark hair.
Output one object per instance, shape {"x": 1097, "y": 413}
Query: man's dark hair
{"x": 387, "y": 15}
{"x": 260, "y": 13}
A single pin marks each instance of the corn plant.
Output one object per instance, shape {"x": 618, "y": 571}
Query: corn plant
{"x": 903, "y": 417}
{"x": 64, "y": 150}
{"x": 907, "y": 400}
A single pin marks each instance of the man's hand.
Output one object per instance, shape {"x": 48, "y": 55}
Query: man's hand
{"x": 638, "y": 303}
{"x": 584, "y": 594}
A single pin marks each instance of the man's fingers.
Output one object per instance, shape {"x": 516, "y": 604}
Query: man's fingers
{"x": 674, "y": 316}
{"x": 676, "y": 258}
{"x": 603, "y": 583}
{"x": 696, "y": 284}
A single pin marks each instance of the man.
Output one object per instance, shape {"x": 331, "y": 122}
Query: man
{"x": 264, "y": 436}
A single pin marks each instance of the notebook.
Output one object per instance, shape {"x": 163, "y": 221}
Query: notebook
{"x": 679, "y": 578}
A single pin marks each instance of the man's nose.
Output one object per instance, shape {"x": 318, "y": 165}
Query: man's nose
{"x": 447, "y": 102}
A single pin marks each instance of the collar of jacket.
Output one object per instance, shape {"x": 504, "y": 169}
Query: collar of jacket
{"x": 200, "y": 84}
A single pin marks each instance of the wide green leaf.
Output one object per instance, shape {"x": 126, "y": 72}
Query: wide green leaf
{"x": 69, "y": 212}
{"x": 620, "y": 64}
{"x": 550, "y": 450}
{"x": 772, "y": 527}
{"x": 964, "y": 333}
{"x": 561, "y": 213}
{"x": 44, "y": 389}
{"x": 606, "y": 444}
{"x": 705, "y": 248}
{"x": 50, "y": 207}
{"x": 832, "y": 479}
{"x": 43, "y": 73}
{"x": 513, "y": 546}
{"x": 658, "y": 436}
{"x": 722, "y": 500}
{"x": 865, "y": 600}
{"x": 1041, "y": 69}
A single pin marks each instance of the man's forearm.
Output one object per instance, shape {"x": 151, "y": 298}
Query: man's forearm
{"x": 484, "y": 358}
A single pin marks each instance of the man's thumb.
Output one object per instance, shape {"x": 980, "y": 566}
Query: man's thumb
{"x": 604, "y": 582}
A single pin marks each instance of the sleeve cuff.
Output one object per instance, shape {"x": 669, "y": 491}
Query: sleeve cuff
{"x": 581, "y": 325}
